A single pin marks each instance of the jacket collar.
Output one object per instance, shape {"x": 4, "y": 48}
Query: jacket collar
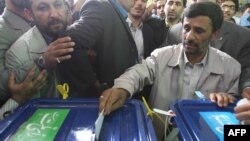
{"x": 223, "y": 35}
{"x": 15, "y": 21}
{"x": 212, "y": 66}
{"x": 36, "y": 40}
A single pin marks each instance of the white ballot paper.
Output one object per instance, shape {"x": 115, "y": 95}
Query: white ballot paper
{"x": 98, "y": 125}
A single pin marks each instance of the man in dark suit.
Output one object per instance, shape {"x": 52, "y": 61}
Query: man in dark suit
{"x": 103, "y": 31}
{"x": 234, "y": 40}
{"x": 144, "y": 36}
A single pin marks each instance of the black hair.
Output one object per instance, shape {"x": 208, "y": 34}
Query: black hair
{"x": 245, "y": 6}
{"x": 236, "y": 2}
{"x": 28, "y": 3}
{"x": 210, "y": 9}
{"x": 2, "y": 6}
{"x": 183, "y": 1}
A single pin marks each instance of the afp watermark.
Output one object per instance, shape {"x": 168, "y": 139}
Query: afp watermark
{"x": 236, "y": 132}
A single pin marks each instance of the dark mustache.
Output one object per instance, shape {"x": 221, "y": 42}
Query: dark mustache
{"x": 190, "y": 43}
{"x": 54, "y": 21}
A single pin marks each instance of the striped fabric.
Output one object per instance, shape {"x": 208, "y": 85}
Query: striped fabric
{"x": 9, "y": 106}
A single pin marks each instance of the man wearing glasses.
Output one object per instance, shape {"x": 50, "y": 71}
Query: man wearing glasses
{"x": 229, "y": 8}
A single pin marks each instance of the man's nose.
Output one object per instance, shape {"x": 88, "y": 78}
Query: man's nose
{"x": 53, "y": 12}
{"x": 190, "y": 35}
{"x": 173, "y": 6}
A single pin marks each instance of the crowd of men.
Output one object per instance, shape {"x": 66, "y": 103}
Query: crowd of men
{"x": 116, "y": 49}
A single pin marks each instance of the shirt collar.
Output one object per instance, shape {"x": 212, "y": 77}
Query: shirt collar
{"x": 203, "y": 61}
{"x": 130, "y": 24}
{"x": 212, "y": 59}
{"x": 170, "y": 25}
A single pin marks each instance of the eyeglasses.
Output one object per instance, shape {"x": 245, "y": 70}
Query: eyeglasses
{"x": 231, "y": 7}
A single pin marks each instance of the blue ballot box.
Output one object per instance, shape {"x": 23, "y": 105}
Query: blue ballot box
{"x": 202, "y": 120}
{"x": 74, "y": 120}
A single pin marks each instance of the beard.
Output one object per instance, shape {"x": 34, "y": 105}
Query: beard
{"x": 53, "y": 28}
{"x": 194, "y": 48}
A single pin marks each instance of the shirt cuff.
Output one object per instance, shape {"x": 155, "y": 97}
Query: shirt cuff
{"x": 8, "y": 106}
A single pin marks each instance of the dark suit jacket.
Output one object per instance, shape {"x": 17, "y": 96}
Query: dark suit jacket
{"x": 233, "y": 39}
{"x": 151, "y": 42}
{"x": 102, "y": 28}
{"x": 149, "y": 39}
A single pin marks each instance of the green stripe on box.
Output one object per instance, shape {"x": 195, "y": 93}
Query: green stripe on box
{"x": 43, "y": 125}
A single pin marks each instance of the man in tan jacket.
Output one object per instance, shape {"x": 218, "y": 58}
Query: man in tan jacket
{"x": 177, "y": 71}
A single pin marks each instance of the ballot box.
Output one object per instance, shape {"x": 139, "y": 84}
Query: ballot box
{"x": 202, "y": 120}
{"x": 74, "y": 120}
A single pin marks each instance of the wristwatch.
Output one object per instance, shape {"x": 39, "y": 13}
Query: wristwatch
{"x": 40, "y": 62}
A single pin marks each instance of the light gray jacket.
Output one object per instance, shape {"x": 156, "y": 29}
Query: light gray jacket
{"x": 23, "y": 52}
{"x": 232, "y": 39}
{"x": 12, "y": 27}
{"x": 162, "y": 69}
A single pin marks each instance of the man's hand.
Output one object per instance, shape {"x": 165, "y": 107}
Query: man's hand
{"x": 222, "y": 99}
{"x": 148, "y": 11}
{"x": 58, "y": 51}
{"x": 25, "y": 90}
{"x": 242, "y": 113}
{"x": 246, "y": 93}
{"x": 112, "y": 99}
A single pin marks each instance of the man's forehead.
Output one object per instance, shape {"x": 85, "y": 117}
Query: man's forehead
{"x": 214, "y": 1}
{"x": 198, "y": 21}
{"x": 45, "y": 1}
{"x": 181, "y": 1}
{"x": 160, "y": 2}
{"x": 231, "y": 1}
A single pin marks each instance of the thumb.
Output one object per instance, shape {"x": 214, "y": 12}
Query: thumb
{"x": 212, "y": 97}
{"x": 11, "y": 79}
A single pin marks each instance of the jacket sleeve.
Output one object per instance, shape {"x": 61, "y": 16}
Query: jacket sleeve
{"x": 88, "y": 29}
{"x": 174, "y": 35}
{"x": 159, "y": 28}
{"x": 232, "y": 76}
{"x": 85, "y": 32}
{"x": 138, "y": 76}
{"x": 244, "y": 57}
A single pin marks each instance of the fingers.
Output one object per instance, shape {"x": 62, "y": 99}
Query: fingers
{"x": 61, "y": 40}
{"x": 30, "y": 75}
{"x": 40, "y": 80}
{"x": 148, "y": 11}
{"x": 212, "y": 97}
{"x": 63, "y": 49}
{"x": 64, "y": 42}
{"x": 151, "y": 7}
{"x": 112, "y": 99}
{"x": 63, "y": 58}
{"x": 246, "y": 121}
{"x": 59, "y": 51}
{"x": 114, "y": 102}
{"x": 242, "y": 108}
{"x": 104, "y": 99}
{"x": 246, "y": 93}
{"x": 221, "y": 99}
{"x": 242, "y": 113}
{"x": 61, "y": 46}
{"x": 11, "y": 80}
{"x": 232, "y": 99}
